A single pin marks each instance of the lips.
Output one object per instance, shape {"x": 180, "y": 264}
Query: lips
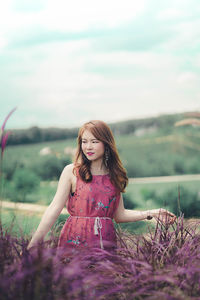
{"x": 90, "y": 153}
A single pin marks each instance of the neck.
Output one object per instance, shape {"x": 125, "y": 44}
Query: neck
{"x": 98, "y": 167}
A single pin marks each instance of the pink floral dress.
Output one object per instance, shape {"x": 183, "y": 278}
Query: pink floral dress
{"x": 91, "y": 210}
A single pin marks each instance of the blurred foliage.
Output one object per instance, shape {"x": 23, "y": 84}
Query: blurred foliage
{"x": 147, "y": 147}
{"x": 10, "y": 167}
{"x": 49, "y": 167}
{"x": 23, "y": 183}
{"x": 177, "y": 199}
{"x": 163, "y": 122}
{"x": 39, "y": 135}
{"x": 21, "y": 222}
{"x": 128, "y": 202}
{"x": 142, "y": 156}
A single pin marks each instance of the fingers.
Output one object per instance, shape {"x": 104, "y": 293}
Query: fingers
{"x": 166, "y": 216}
{"x": 170, "y": 214}
{"x": 172, "y": 218}
{"x": 166, "y": 212}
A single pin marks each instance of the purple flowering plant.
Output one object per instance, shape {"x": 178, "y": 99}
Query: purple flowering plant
{"x": 3, "y": 140}
{"x": 163, "y": 264}
{"x": 4, "y": 136}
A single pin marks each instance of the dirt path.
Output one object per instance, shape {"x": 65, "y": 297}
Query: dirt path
{"x": 27, "y": 207}
{"x": 176, "y": 178}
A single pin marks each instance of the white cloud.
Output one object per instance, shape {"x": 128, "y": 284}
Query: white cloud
{"x": 188, "y": 78}
{"x": 170, "y": 13}
{"x": 68, "y": 82}
{"x": 75, "y": 15}
{"x": 3, "y": 42}
{"x": 80, "y": 15}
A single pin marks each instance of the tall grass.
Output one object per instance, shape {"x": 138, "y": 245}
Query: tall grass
{"x": 163, "y": 264}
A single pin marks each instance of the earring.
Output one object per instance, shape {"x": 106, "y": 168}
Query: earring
{"x": 106, "y": 157}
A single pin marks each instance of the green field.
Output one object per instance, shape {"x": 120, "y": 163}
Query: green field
{"x": 164, "y": 151}
{"x": 20, "y": 223}
{"x": 27, "y": 222}
{"x": 147, "y": 155}
{"x": 135, "y": 190}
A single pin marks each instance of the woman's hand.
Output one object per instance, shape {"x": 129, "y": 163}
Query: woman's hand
{"x": 163, "y": 215}
{"x": 29, "y": 249}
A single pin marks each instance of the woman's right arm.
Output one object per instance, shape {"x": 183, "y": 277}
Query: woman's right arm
{"x": 123, "y": 215}
{"x": 54, "y": 209}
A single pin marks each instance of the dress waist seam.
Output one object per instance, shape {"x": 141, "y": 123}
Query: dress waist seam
{"x": 91, "y": 217}
{"x": 97, "y": 226}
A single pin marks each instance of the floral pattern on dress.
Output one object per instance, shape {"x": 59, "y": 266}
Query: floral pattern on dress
{"x": 101, "y": 205}
{"x": 77, "y": 241}
{"x": 98, "y": 198}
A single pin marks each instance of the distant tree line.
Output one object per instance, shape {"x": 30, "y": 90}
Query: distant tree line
{"x": 164, "y": 122}
{"x": 38, "y": 135}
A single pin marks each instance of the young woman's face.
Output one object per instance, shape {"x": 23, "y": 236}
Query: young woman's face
{"x": 92, "y": 148}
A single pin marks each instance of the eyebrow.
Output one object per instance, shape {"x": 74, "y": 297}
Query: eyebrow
{"x": 86, "y": 139}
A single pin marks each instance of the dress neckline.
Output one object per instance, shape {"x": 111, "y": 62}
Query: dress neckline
{"x": 101, "y": 174}
{"x": 72, "y": 194}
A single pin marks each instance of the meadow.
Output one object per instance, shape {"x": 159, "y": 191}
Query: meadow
{"x": 143, "y": 155}
{"x": 153, "y": 261}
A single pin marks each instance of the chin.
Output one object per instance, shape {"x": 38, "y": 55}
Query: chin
{"x": 90, "y": 158}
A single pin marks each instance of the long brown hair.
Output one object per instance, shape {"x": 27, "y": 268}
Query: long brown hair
{"x": 102, "y": 132}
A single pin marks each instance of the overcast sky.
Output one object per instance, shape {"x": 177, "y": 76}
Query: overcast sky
{"x": 65, "y": 62}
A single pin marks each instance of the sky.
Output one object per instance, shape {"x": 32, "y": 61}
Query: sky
{"x": 63, "y": 63}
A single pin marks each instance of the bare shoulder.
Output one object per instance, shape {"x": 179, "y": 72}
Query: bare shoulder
{"x": 64, "y": 186}
{"x": 69, "y": 167}
{"x": 68, "y": 171}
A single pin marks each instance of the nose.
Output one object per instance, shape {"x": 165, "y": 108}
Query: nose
{"x": 89, "y": 146}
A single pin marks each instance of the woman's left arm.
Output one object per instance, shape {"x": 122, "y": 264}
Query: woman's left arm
{"x": 123, "y": 215}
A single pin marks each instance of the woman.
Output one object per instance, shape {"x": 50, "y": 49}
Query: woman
{"x": 92, "y": 189}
